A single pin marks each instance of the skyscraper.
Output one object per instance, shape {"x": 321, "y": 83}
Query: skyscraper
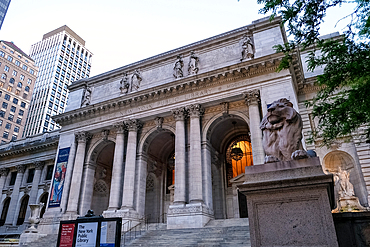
{"x": 4, "y": 5}
{"x": 18, "y": 75}
{"x": 62, "y": 58}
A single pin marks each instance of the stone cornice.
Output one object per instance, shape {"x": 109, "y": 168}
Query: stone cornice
{"x": 258, "y": 25}
{"x": 247, "y": 69}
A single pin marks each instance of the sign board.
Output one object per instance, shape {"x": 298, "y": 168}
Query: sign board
{"x": 90, "y": 232}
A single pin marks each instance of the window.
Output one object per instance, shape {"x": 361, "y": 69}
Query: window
{"x": 5, "y": 105}
{"x": 5, "y": 134}
{"x": 53, "y": 92}
{"x": 12, "y": 52}
{"x": 2, "y": 54}
{"x": 14, "y": 137}
{"x": 15, "y": 101}
{"x": 46, "y": 124}
{"x": 25, "y": 67}
{"x": 17, "y": 63}
{"x": 13, "y": 178}
{"x": 49, "y": 172}
{"x": 6, "y": 68}
{"x": 19, "y": 84}
{"x": 3, "y": 76}
{"x": 31, "y": 71}
{"x": 2, "y": 114}
{"x": 21, "y": 77}
{"x": 1, "y": 122}
{"x": 11, "y": 80}
{"x": 47, "y": 117}
{"x": 29, "y": 81}
{"x": 8, "y": 126}
{"x": 9, "y": 88}
{"x": 11, "y": 117}
{"x": 25, "y": 95}
{"x": 13, "y": 108}
{"x": 27, "y": 89}
{"x": 17, "y": 92}
{"x": 19, "y": 120}
{"x": 14, "y": 73}
{"x": 10, "y": 58}
{"x": 7, "y": 97}
{"x": 21, "y": 112}
{"x": 31, "y": 174}
{"x": 16, "y": 129}
{"x": 50, "y": 104}
{"x": 23, "y": 104}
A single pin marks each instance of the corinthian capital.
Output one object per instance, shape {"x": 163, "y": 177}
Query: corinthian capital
{"x": 82, "y": 136}
{"x": 133, "y": 124}
{"x": 39, "y": 165}
{"x": 179, "y": 113}
{"x": 21, "y": 168}
{"x": 4, "y": 172}
{"x": 195, "y": 110}
{"x": 252, "y": 97}
{"x": 120, "y": 127}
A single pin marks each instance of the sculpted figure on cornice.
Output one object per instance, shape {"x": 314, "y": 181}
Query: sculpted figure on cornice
{"x": 125, "y": 84}
{"x": 177, "y": 69}
{"x": 247, "y": 47}
{"x": 136, "y": 80}
{"x": 87, "y": 97}
{"x": 193, "y": 66}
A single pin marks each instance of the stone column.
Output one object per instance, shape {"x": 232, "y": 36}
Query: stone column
{"x": 252, "y": 99}
{"x": 207, "y": 174}
{"x": 180, "y": 154}
{"x": 11, "y": 218}
{"x": 141, "y": 184}
{"x": 35, "y": 186}
{"x": 195, "y": 164}
{"x": 75, "y": 186}
{"x": 87, "y": 188}
{"x": 117, "y": 170}
{"x": 4, "y": 173}
{"x": 130, "y": 167}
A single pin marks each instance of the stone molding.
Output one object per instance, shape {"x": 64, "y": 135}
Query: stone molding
{"x": 21, "y": 168}
{"x": 133, "y": 124}
{"x": 39, "y": 165}
{"x": 189, "y": 209}
{"x": 252, "y": 97}
{"x": 195, "y": 110}
{"x": 83, "y": 136}
{"x": 4, "y": 172}
{"x": 179, "y": 114}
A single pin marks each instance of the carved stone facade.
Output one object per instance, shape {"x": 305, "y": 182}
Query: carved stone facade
{"x": 161, "y": 144}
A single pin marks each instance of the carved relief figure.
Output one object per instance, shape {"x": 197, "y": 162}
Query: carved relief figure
{"x": 87, "y": 97}
{"x": 193, "y": 66}
{"x": 177, "y": 69}
{"x": 345, "y": 187}
{"x": 136, "y": 80}
{"x": 247, "y": 47}
{"x": 282, "y": 132}
{"x": 125, "y": 84}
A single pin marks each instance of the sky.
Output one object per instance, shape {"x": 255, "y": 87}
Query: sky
{"x": 120, "y": 32}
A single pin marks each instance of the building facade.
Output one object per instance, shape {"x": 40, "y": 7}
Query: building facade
{"x": 62, "y": 58}
{"x": 168, "y": 138}
{"x": 4, "y": 5}
{"x": 18, "y": 76}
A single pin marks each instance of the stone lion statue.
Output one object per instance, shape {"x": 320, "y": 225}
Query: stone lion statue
{"x": 282, "y": 132}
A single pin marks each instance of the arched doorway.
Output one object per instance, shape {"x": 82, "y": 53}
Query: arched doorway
{"x": 160, "y": 174}
{"x": 4, "y": 213}
{"x": 43, "y": 199}
{"x": 102, "y": 178}
{"x": 23, "y": 210}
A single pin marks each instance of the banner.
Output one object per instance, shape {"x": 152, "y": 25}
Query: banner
{"x": 59, "y": 177}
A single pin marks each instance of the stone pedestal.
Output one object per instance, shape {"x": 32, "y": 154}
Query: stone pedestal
{"x": 289, "y": 204}
{"x": 195, "y": 215}
{"x": 349, "y": 204}
{"x": 130, "y": 217}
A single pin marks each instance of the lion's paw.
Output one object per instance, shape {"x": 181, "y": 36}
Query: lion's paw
{"x": 299, "y": 154}
{"x": 270, "y": 159}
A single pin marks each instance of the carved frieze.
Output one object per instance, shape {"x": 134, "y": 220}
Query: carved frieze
{"x": 4, "y": 172}
{"x": 224, "y": 108}
{"x": 120, "y": 127}
{"x": 39, "y": 165}
{"x": 195, "y": 110}
{"x": 247, "y": 46}
{"x": 179, "y": 113}
{"x": 86, "y": 97}
{"x": 178, "y": 67}
{"x": 193, "y": 66}
{"x": 105, "y": 134}
{"x": 252, "y": 97}
{"x": 133, "y": 124}
{"x": 158, "y": 122}
{"x": 21, "y": 168}
{"x": 83, "y": 136}
{"x": 124, "y": 83}
{"x": 136, "y": 80}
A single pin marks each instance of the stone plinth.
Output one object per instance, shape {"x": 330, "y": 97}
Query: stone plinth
{"x": 130, "y": 217}
{"x": 29, "y": 237}
{"x": 195, "y": 215}
{"x": 289, "y": 204}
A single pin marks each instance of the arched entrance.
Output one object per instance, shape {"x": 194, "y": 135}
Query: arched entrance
{"x": 4, "y": 213}
{"x": 229, "y": 141}
{"x": 23, "y": 210}
{"x": 160, "y": 174}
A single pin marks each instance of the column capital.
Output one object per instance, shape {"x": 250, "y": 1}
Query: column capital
{"x": 21, "y": 168}
{"x": 4, "y": 172}
{"x": 83, "y": 136}
{"x": 179, "y": 113}
{"x": 252, "y": 97}
{"x": 120, "y": 127}
{"x": 133, "y": 124}
{"x": 195, "y": 110}
{"x": 39, "y": 165}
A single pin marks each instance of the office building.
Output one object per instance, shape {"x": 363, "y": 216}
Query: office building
{"x": 18, "y": 74}
{"x": 62, "y": 58}
{"x": 4, "y": 5}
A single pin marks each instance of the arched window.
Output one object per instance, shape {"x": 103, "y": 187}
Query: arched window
{"x": 23, "y": 210}
{"x": 3, "y": 76}
{"x": 11, "y": 80}
{"x": 4, "y": 213}
{"x": 43, "y": 199}
{"x": 19, "y": 84}
{"x": 27, "y": 89}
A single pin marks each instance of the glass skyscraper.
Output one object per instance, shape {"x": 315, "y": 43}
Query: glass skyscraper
{"x": 4, "y": 5}
{"x": 62, "y": 58}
